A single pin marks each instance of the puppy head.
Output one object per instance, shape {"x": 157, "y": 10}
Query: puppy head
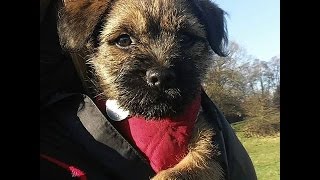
{"x": 152, "y": 55}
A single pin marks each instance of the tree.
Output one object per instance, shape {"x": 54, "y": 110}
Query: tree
{"x": 244, "y": 87}
{"x": 276, "y": 97}
{"x": 226, "y": 85}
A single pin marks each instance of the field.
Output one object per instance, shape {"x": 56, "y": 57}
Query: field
{"x": 264, "y": 152}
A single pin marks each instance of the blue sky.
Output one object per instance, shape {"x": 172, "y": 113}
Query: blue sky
{"x": 254, "y": 25}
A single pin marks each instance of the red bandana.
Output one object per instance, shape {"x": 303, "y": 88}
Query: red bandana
{"x": 163, "y": 142}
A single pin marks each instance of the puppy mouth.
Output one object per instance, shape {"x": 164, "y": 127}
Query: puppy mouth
{"x": 155, "y": 97}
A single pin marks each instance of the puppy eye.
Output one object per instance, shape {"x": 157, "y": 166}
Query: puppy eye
{"x": 187, "y": 40}
{"x": 123, "y": 41}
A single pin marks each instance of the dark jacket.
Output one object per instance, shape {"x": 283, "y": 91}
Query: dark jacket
{"x": 74, "y": 131}
{"x": 76, "y": 138}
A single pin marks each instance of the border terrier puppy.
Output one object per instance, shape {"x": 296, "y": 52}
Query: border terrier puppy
{"x": 151, "y": 56}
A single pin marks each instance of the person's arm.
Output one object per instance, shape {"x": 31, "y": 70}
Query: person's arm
{"x": 234, "y": 158}
{"x": 239, "y": 162}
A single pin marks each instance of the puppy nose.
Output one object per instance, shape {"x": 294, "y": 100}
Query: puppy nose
{"x": 160, "y": 77}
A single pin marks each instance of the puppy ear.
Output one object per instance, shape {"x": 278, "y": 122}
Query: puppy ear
{"x": 77, "y": 20}
{"x": 213, "y": 19}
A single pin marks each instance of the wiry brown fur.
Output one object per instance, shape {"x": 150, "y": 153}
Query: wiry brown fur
{"x": 77, "y": 21}
{"x": 158, "y": 28}
{"x": 199, "y": 163}
{"x": 109, "y": 59}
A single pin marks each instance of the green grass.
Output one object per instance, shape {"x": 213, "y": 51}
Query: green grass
{"x": 264, "y": 152}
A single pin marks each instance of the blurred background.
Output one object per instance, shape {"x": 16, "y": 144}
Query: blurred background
{"x": 246, "y": 84}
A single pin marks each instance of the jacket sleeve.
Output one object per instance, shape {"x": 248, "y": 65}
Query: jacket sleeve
{"x": 239, "y": 163}
{"x": 234, "y": 158}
